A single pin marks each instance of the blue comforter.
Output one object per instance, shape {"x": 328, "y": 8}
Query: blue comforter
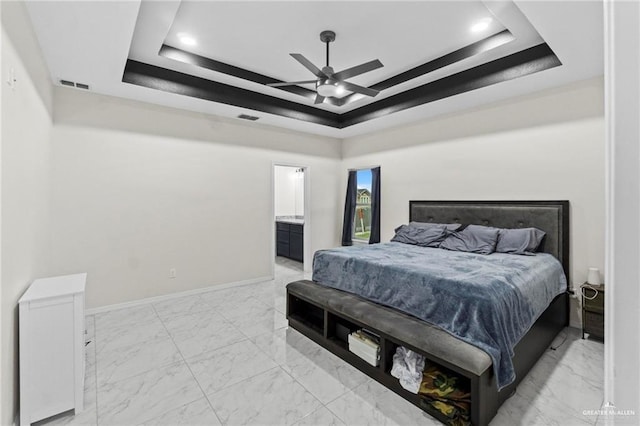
{"x": 487, "y": 301}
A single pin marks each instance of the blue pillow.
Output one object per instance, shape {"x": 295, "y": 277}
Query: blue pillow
{"x": 519, "y": 241}
{"x": 473, "y": 239}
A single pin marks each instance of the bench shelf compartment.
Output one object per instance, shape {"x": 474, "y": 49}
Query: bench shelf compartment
{"x": 326, "y": 316}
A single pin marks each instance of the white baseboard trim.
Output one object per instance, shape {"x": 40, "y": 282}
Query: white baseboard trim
{"x": 154, "y": 299}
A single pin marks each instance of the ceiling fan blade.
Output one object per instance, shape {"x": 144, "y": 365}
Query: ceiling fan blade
{"x": 290, "y": 83}
{"x": 319, "y": 99}
{"x": 358, "y": 89}
{"x": 308, "y": 65}
{"x": 357, "y": 70}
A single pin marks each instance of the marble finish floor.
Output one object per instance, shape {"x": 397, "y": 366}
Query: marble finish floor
{"x": 227, "y": 357}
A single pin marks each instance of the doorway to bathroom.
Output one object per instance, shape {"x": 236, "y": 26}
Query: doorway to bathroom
{"x": 290, "y": 218}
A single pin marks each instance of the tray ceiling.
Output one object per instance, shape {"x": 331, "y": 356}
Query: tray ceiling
{"x": 216, "y": 57}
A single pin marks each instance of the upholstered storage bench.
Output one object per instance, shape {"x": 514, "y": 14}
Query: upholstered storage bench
{"x": 327, "y": 315}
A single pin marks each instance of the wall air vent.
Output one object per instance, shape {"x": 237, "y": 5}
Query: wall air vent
{"x": 248, "y": 117}
{"x": 72, "y": 84}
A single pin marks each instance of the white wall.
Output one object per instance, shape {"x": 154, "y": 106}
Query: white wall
{"x": 622, "y": 310}
{"x": 138, "y": 189}
{"x": 299, "y": 194}
{"x": 548, "y": 146}
{"x": 26, "y": 124}
{"x": 2, "y": 348}
{"x": 288, "y": 191}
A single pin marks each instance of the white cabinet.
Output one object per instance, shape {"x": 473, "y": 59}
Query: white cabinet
{"x": 52, "y": 347}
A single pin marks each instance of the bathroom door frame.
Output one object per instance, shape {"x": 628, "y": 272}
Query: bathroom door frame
{"x": 307, "y": 257}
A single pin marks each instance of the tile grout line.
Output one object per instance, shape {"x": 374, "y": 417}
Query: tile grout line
{"x": 177, "y": 314}
{"x": 249, "y": 340}
{"x": 336, "y": 398}
{"x": 137, "y": 344}
{"x": 188, "y": 367}
{"x": 246, "y": 378}
{"x": 157, "y": 316}
{"x": 308, "y": 390}
{"x": 349, "y": 389}
{"x": 230, "y": 321}
{"x": 314, "y": 411}
{"x": 305, "y": 388}
{"x": 311, "y": 393}
{"x": 214, "y": 310}
{"x": 277, "y": 366}
{"x": 302, "y": 385}
{"x": 143, "y": 372}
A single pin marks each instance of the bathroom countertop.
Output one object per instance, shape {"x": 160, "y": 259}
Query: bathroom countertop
{"x": 290, "y": 219}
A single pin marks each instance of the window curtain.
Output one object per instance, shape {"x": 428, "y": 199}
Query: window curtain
{"x": 349, "y": 209}
{"x": 374, "y": 237}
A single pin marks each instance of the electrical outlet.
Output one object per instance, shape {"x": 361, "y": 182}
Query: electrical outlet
{"x": 172, "y": 273}
{"x": 577, "y": 292}
{"x": 577, "y": 295}
{"x": 574, "y": 292}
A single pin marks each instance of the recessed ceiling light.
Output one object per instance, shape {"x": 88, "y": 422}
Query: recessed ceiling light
{"x": 186, "y": 39}
{"x": 481, "y": 25}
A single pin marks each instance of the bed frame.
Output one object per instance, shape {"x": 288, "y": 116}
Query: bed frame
{"x": 327, "y": 315}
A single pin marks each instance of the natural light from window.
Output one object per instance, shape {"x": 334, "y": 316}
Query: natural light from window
{"x": 362, "y": 217}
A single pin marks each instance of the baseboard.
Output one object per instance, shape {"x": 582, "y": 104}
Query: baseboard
{"x": 154, "y": 299}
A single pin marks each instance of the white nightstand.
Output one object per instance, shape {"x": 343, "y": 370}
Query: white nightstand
{"x": 52, "y": 347}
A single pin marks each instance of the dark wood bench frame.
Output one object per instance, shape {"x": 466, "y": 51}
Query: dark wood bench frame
{"x": 314, "y": 310}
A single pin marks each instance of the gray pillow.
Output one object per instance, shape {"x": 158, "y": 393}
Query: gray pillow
{"x": 519, "y": 241}
{"x": 449, "y": 226}
{"x": 425, "y": 236}
{"x": 473, "y": 239}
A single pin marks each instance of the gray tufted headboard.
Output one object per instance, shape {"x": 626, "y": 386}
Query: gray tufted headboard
{"x": 550, "y": 216}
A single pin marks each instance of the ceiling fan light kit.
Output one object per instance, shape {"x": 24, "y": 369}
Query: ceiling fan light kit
{"x": 329, "y": 87}
{"x": 328, "y": 82}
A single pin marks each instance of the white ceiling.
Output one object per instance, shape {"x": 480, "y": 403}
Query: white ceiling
{"x": 89, "y": 42}
{"x": 295, "y": 28}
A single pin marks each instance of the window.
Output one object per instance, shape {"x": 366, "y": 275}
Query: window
{"x": 362, "y": 216}
{"x": 361, "y": 220}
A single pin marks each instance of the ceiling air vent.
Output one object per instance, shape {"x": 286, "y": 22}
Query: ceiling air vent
{"x": 72, "y": 84}
{"x": 248, "y": 117}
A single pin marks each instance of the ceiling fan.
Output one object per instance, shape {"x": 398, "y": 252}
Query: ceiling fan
{"x": 330, "y": 83}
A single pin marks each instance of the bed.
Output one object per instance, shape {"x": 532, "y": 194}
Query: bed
{"x": 327, "y": 309}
